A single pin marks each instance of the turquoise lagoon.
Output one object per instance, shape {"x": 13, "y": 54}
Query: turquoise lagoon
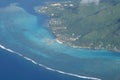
{"x": 22, "y": 33}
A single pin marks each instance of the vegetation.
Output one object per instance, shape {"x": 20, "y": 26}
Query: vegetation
{"x": 86, "y": 25}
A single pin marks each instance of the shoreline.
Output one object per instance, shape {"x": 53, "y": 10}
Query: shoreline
{"x": 55, "y": 28}
{"x": 58, "y": 41}
{"x": 80, "y": 47}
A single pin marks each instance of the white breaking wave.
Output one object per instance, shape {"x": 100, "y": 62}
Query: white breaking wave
{"x": 48, "y": 68}
{"x": 30, "y": 60}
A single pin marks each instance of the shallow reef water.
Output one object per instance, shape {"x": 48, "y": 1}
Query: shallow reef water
{"x": 21, "y": 33}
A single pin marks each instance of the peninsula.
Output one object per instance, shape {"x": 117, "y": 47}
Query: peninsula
{"x": 93, "y": 24}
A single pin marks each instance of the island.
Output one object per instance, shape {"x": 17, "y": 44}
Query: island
{"x": 93, "y": 24}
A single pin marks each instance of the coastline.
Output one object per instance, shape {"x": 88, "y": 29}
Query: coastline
{"x": 58, "y": 30}
{"x": 81, "y": 47}
{"x": 58, "y": 41}
{"x": 40, "y": 63}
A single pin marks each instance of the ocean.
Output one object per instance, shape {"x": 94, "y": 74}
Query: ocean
{"x": 14, "y": 67}
{"x": 29, "y": 51}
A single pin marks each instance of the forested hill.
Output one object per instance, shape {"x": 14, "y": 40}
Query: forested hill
{"x": 85, "y": 23}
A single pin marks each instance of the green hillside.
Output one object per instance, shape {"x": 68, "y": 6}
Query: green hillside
{"x": 89, "y": 25}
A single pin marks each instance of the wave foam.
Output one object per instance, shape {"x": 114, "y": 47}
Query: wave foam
{"x": 48, "y": 68}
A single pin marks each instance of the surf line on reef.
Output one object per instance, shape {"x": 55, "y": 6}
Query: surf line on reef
{"x": 48, "y": 68}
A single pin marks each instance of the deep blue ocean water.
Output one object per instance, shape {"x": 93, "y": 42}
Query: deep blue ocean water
{"x": 14, "y": 67}
{"x": 25, "y": 32}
